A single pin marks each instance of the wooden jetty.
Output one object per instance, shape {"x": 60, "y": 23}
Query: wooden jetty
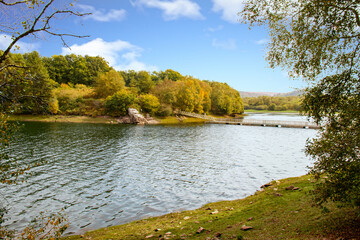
{"x": 252, "y": 122}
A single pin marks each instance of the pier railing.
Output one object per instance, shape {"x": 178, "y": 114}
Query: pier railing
{"x": 251, "y": 122}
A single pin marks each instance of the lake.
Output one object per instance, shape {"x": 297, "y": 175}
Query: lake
{"x": 104, "y": 175}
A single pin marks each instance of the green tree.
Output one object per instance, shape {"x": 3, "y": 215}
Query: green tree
{"x": 166, "y": 92}
{"x": 25, "y": 89}
{"x": 75, "y": 69}
{"x": 58, "y": 68}
{"x": 108, "y": 83}
{"x": 142, "y": 82}
{"x": 169, "y": 74}
{"x": 319, "y": 40}
{"x": 118, "y": 104}
{"x": 148, "y": 103}
{"x": 224, "y": 99}
{"x": 28, "y": 18}
{"x": 38, "y": 89}
{"x": 129, "y": 76}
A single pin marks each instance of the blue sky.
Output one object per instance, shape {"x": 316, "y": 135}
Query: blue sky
{"x": 203, "y": 39}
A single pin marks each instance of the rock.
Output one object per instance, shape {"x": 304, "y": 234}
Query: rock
{"x": 136, "y": 117}
{"x": 200, "y": 230}
{"x": 183, "y": 236}
{"x": 250, "y": 218}
{"x": 152, "y": 121}
{"x": 125, "y": 119}
{"x": 292, "y": 187}
{"x": 149, "y": 236}
{"x": 215, "y": 212}
{"x": 277, "y": 194}
{"x": 156, "y": 230}
{"x": 208, "y": 208}
{"x": 187, "y": 218}
{"x": 168, "y": 233}
{"x": 218, "y": 235}
{"x": 246, "y": 228}
{"x": 266, "y": 185}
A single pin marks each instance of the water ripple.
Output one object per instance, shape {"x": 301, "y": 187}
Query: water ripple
{"x": 104, "y": 175}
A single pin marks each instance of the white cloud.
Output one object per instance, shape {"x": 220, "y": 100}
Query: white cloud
{"x": 229, "y": 9}
{"x": 173, "y": 9}
{"x": 215, "y": 29}
{"x": 101, "y": 15}
{"x": 5, "y": 41}
{"x": 120, "y": 54}
{"x": 262, "y": 41}
{"x": 229, "y": 44}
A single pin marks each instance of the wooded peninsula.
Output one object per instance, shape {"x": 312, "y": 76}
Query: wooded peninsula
{"x": 85, "y": 85}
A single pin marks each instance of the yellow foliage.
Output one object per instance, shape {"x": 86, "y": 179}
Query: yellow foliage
{"x": 79, "y": 91}
{"x": 54, "y": 106}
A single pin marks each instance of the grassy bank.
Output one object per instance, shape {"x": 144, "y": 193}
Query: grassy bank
{"x": 179, "y": 120}
{"x": 102, "y": 119}
{"x": 274, "y": 213}
{"x": 62, "y": 118}
{"x": 107, "y": 119}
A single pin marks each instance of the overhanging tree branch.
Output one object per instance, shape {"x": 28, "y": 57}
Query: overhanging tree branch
{"x": 13, "y": 3}
{"x": 44, "y": 27}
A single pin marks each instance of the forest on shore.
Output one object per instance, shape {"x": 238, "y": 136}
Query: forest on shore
{"x": 85, "y": 85}
{"x": 273, "y": 103}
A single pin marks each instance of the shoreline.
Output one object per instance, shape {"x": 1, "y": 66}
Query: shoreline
{"x": 99, "y": 119}
{"x": 114, "y": 120}
{"x": 273, "y": 212}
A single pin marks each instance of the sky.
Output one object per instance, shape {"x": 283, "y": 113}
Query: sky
{"x": 203, "y": 39}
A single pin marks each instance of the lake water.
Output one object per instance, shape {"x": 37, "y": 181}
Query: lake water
{"x": 106, "y": 175}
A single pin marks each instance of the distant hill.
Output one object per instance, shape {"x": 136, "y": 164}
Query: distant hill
{"x": 291, "y": 94}
{"x": 271, "y": 94}
{"x": 257, "y": 94}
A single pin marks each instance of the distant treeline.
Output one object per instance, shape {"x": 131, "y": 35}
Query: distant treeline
{"x": 272, "y": 103}
{"x": 80, "y": 85}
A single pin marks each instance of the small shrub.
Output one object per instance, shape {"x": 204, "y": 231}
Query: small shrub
{"x": 118, "y": 104}
{"x": 148, "y": 103}
{"x": 164, "y": 110}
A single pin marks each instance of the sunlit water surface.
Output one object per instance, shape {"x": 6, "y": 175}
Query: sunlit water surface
{"x": 104, "y": 175}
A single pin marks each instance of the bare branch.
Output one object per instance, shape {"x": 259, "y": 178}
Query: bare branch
{"x": 13, "y": 3}
{"x": 33, "y": 29}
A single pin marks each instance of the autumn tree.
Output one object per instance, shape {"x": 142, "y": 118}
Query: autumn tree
{"x": 118, "y": 104}
{"x": 319, "y": 41}
{"x": 21, "y": 19}
{"x": 108, "y": 83}
{"x": 224, "y": 99}
{"x": 148, "y": 103}
{"x": 75, "y": 69}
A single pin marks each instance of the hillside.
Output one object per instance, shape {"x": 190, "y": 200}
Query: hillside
{"x": 270, "y": 94}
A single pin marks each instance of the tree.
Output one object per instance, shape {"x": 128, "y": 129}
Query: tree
{"x": 26, "y": 89}
{"x": 118, "y": 104}
{"x": 37, "y": 20}
{"x": 319, "y": 40}
{"x": 27, "y": 18}
{"x": 224, "y": 99}
{"x": 108, "y": 83}
{"x": 148, "y": 103}
{"x": 142, "y": 82}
